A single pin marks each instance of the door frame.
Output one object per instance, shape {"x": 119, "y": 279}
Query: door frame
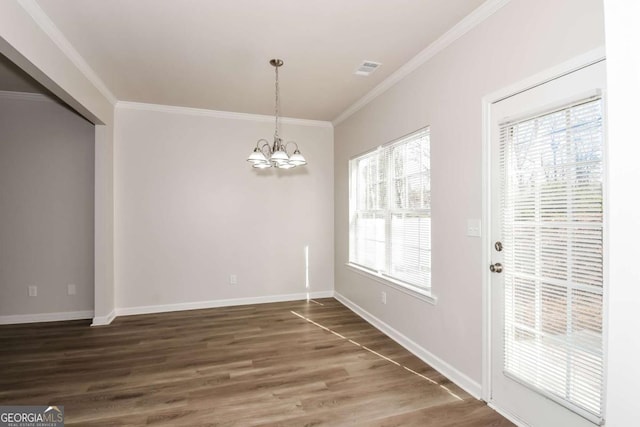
{"x": 567, "y": 67}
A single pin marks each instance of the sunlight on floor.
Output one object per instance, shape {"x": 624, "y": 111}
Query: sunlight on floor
{"x": 375, "y": 352}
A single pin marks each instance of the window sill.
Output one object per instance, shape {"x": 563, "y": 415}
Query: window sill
{"x": 412, "y": 291}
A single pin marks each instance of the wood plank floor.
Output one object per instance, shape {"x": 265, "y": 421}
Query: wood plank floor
{"x": 289, "y": 364}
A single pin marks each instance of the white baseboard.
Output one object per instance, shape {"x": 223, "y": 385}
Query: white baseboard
{"x": 126, "y": 311}
{"x": 104, "y": 320}
{"x": 508, "y": 415}
{"x": 45, "y": 317}
{"x": 147, "y": 309}
{"x": 470, "y": 386}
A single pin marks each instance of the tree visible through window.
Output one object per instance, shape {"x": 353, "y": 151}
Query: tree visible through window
{"x": 390, "y": 210}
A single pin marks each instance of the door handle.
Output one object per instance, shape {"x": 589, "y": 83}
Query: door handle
{"x": 496, "y": 268}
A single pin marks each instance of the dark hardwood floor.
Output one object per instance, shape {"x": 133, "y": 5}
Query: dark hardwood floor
{"x": 289, "y": 364}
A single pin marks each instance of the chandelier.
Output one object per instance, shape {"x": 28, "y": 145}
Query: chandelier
{"x": 276, "y": 155}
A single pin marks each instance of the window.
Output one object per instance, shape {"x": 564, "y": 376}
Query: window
{"x": 390, "y": 211}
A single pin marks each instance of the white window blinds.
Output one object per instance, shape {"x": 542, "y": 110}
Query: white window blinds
{"x": 390, "y": 210}
{"x": 552, "y": 204}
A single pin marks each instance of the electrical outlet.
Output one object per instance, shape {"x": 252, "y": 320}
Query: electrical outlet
{"x": 383, "y": 297}
{"x": 71, "y": 289}
{"x": 233, "y": 279}
{"x": 474, "y": 228}
{"x": 33, "y": 291}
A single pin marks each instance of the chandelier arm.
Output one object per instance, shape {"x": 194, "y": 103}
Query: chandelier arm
{"x": 287, "y": 144}
{"x": 261, "y": 146}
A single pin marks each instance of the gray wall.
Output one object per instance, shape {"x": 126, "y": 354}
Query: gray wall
{"x": 46, "y": 208}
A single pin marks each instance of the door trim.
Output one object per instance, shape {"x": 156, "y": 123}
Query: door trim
{"x": 581, "y": 61}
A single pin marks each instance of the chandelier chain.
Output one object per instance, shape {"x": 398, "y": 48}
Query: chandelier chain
{"x": 277, "y": 101}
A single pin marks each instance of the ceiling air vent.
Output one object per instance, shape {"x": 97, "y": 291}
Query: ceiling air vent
{"x": 367, "y": 67}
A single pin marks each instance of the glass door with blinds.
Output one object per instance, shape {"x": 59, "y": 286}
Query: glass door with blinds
{"x": 547, "y": 254}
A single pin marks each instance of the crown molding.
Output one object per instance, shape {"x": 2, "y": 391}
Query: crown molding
{"x": 46, "y": 24}
{"x": 219, "y": 114}
{"x": 25, "y": 96}
{"x": 480, "y": 14}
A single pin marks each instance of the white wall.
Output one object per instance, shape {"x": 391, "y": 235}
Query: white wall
{"x": 623, "y": 75}
{"x": 104, "y": 303}
{"x": 522, "y": 38}
{"x": 190, "y": 210}
{"x": 46, "y": 207}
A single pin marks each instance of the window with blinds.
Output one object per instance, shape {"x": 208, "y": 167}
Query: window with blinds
{"x": 390, "y": 210}
{"x": 552, "y": 225}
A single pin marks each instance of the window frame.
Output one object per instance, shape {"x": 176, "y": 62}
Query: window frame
{"x": 384, "y": 276}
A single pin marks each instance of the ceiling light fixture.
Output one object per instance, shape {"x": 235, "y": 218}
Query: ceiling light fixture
{"x": 276, "y": 155}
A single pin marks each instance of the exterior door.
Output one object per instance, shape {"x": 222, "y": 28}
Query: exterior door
{"x": 547, "y": 171}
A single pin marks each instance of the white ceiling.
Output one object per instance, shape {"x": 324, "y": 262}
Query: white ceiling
{"x": 214, "y": 54}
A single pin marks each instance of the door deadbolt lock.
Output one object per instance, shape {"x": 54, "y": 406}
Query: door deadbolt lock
{"x": 496, "y": 268}
{"x": 498, "y": 246}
